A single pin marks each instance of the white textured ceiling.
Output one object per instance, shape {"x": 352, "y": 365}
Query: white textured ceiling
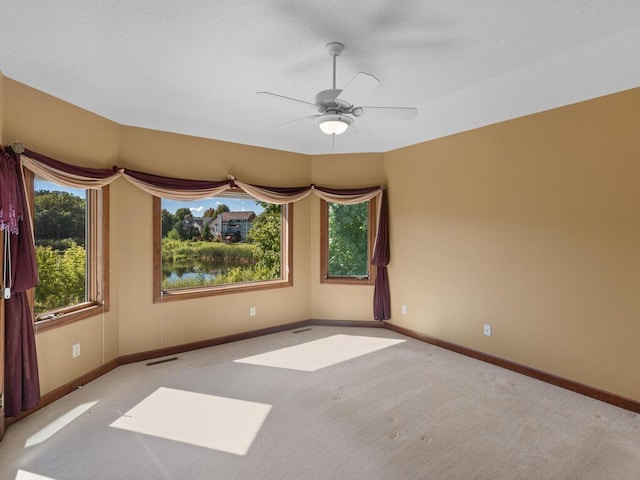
{"x": 193, "y": 66}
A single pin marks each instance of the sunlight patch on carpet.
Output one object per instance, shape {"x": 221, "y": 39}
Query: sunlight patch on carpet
{"x": 57, "y": 425}
{"x": 317, "y": 354}
{"x": 218, "y": 423}
{"x": 24, "y": 475}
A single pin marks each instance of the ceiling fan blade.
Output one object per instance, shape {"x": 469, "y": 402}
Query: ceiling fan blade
{"x": 396, "y": 113}
{"x": 359, "y": 86}
{"x": 282, "y": 97}
{"x": 294, "y": 121}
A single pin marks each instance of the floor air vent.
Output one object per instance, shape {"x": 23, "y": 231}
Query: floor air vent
{"x": 163, "y": 360}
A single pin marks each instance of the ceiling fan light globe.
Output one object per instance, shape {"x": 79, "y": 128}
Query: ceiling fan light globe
{"x": 333, "y": 127}
{"x": 334, "y": 124}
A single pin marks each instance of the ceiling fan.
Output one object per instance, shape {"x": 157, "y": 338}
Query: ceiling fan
{"x": 336, "y": 111}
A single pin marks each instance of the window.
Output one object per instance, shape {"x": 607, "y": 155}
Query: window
{"x": 71, "y": 238}
{"x": 348, "y": 233}
{"x": 222, "y": 244}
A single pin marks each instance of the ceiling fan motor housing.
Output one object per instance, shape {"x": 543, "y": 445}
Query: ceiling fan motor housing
{"x": 326, "y": 101}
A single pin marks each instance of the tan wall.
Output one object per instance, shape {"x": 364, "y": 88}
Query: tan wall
{"x": 340, "y": 302}
{"x": 46, "y": 124}
{"x": 531, "y": 226}
{"x": 58, "y": 129}
{"x": 146, "y": 326}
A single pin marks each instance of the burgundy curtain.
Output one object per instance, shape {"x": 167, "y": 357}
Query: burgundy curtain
{"x": 346, "y": 191}
{"x": 86, "y": 172}
{"x": 22, "y": 385}
{"x": 381, "y": 257}
{"x": 171, "y": 183}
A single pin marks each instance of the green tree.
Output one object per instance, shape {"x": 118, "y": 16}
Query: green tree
{"x": 266, "y": 235}
{"x": 174, "y": 234}
{"x": 185, "y": 231}
{"x": 168, "y": 222}
{"x": 182, "y": 213}
{"x": 222, "y": 208}
{"x": 214, "y": 212}
{"x": 58, "y": 216}
{"x": 61, "y": 277}
{"x": 348, "y": 239}
{"x": 183, "y": 225}
{"x": 205, "y": 233}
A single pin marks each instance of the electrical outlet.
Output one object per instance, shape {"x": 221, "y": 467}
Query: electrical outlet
{"x": 487, "y": 330}
{"x": 75, "y": 351}
{"x": 404, "y": 309}
{"x": 252, "y": 311}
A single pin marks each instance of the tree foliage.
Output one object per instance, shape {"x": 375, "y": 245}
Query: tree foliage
{"x": 266, "y": 235}
{"x": 168, "y": 222}
{"x": 59, "y": 215}
{"x": 205, "y": 234}
{"x": 214, "y": 212}
{"x": 222, "y": 208}
{"x": 182, "y": 213}
{"x": 173, "y": 235}
{"x": 186, "y": 231}
{"x": 62, "y": 276}
{"x": 348, "y": 239}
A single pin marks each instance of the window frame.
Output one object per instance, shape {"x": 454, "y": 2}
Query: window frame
{"x": 286, "y": 266}
{"x": 324, "y": 248}
{"x": 97, "y": 266}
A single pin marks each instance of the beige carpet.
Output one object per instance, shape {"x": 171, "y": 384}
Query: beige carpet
{"x": 407, "y": 410}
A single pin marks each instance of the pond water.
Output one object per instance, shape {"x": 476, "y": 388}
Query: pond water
{"x": 198, "y": 272}
{"x": 174, "y": 276}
